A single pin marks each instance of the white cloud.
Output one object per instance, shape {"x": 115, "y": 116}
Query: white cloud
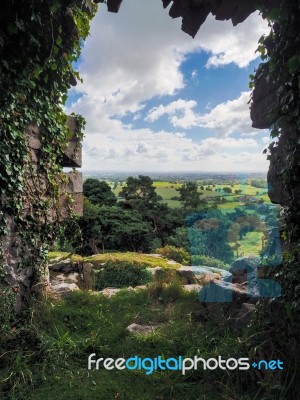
{"x": 143, "y": 149}
{"x": 212, "y": 146}
{"x": 266, "y": 139}
{"x": 244, "y": 157}
{"x": 229, "y": 117}
{"x": 232, "y": 116}
{"x": 194, "y": 74}
{"x": 180, "y": 112}
{"x": 135, "y": 56}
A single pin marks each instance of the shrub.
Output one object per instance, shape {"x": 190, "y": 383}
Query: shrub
{"x": 178, "y": 254}
{"x": 121, "y": 274}
{"x": 209, "y": 262}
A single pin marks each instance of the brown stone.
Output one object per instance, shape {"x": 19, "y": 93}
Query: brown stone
{"x": 140, "y": 329}
{"x": 87, "y": 275}
{"x": 74, "y": 182}
{"x": 73, "y": 154}
{"x": 72, "y": 125}
{"x": 113, "y": 5}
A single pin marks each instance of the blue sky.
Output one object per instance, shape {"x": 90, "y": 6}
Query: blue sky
{"x": 156, "y": 100}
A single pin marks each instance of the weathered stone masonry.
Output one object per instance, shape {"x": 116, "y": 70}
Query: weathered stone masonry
{"x": 14, "y": 248}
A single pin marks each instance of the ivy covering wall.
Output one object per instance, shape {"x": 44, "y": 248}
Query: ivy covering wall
{"x": 39, "y": 42}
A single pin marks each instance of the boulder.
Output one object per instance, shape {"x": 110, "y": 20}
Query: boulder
{"x": 61, "y": 266}
{"x": 200, "y": 275}
{"x": 87, "y": 275}
{"x": 192, "y": 288}
{"x": 154, "y": 271}
{"x": 63, "y": 288}
{"x": 109, "y": 292}
{"x": 74, "y": 277}
{"x": 140, "y": 329}
{"x": 243, "y": 269}
{"x": 187, "y": 275}
{"x": 223, "y": 292}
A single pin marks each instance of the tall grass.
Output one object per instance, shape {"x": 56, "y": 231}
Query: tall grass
{"x": 48, "y": 359}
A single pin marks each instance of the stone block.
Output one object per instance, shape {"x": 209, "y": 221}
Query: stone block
{"x": 73, "y": 184}
{"x": 113, "y": 5}
{"x": 78, "y": 204}
{"x": 70, "y": 202}
{"x": 33, "y": 133}
{"x": 73, "y": 150}
{"x": 73, "y": 154}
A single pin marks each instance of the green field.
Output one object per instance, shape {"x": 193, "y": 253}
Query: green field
{"x": 251, "y": 244}
{"x": 167, "y": 190}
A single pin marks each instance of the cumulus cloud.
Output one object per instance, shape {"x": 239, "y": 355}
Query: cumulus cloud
{"x": 143, "y": 149}
{"x": 226, "y": 118}
{"x": 229, "y": 117}
{"x": 180, "y": 112}
{"x": 212, "y": 146}
{"x": 266, "y": 139}
{"x": 136, "y": 56}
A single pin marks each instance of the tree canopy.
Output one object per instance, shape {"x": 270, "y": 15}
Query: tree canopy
{"x": 190, "y": 197}
{"x": 99, "y": 192}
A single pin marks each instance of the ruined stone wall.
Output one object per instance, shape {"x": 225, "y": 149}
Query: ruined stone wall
{"x": 16, "y": 250}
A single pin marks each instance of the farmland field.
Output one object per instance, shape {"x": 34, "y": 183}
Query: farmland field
{"x": 226, "y": 194}
{"x": 167, "y": 190}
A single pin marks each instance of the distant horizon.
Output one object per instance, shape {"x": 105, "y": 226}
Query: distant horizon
{"x": 173, "y": 172}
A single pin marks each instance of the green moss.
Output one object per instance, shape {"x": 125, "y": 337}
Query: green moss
{"x": 98, "y": 259}
{"x": 138, "y": 258}
{"x": 55, "y": 254}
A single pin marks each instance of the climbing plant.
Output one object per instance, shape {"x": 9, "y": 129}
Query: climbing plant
{"x": 278, "y": 319}
{"x": 280, "y": 51}
{"x": 40, "y": 40}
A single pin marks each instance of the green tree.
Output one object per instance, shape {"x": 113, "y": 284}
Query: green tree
{"x": 92, "y": 233}
{"x": 207, "y": 233}
{"x": 139, "y": 191}
{"x": 99, "y": 192}
{"x": 139, "y": 194}
{"x": 190, "y": 197}
{"x": 179, "y": 238}
{"x": 112, "y": 228}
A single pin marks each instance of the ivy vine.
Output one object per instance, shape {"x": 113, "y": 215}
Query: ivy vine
{"x": 279, "y": 318}
{"x": 39, "y": 42}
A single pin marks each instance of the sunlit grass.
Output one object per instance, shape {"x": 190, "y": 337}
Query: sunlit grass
{"x": 251, "y": 244}
{"x": 98, "y": 259}
{"x": 67, "y": 331}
